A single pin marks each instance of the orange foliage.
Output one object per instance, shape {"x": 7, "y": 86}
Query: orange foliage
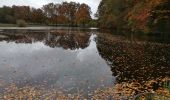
{"x": 141, "y": 12}
{"x": 83, "y": 14}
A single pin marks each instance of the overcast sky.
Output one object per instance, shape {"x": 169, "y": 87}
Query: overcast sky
{"x": 38, "y": 3}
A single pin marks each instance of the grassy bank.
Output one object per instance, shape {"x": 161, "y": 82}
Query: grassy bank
{"x": 8, "y": 25}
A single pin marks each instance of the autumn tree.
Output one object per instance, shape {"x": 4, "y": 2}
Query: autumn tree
{"x": 72, "y": 9}
{"x": 134, "y": 15}
{"x": 51, "y": 12}
{"x": 83, "y": 14}
{"x": 21, "y": 12}
{"x": 37, "y": 16}
{"x": 110, "y": 12}
{"x": 66, "y": 13}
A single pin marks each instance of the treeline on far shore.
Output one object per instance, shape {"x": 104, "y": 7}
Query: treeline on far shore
{"x": 63, "y": 14}
{"x": 134, "y": 16}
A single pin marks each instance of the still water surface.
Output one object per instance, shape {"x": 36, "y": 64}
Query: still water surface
{"x": 54, "y": 60}
{"x": 81, "y": 60}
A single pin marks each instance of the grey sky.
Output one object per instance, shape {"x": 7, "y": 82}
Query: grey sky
{"x": 38, "y": 3}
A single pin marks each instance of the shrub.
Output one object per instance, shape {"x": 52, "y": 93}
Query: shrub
{"x": 21, "y": 23}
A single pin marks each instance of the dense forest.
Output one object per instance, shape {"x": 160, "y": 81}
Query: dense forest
{"x": 135, "y": 15}
{"x": 149, "y": 16}
{"x": 64, "y": 14}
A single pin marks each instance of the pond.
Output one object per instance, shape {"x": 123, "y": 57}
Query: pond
{"x": 77, "y": 60}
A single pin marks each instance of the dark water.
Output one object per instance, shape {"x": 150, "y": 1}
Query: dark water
{"x": 74, "y": 60}
{"x": 136, "y": 58}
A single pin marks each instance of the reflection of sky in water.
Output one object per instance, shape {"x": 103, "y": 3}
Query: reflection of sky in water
{"x": 79, "y": 68}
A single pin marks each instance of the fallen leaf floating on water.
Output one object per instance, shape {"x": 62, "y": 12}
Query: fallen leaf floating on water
{"x": 120, "y": 90}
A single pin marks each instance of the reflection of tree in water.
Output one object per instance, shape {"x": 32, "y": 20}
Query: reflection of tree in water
{"x": 135, "y": 61}
{"x": 67, "y": 41}
{"x": 23, "y": 37}
{"x": 53, "y": 39}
